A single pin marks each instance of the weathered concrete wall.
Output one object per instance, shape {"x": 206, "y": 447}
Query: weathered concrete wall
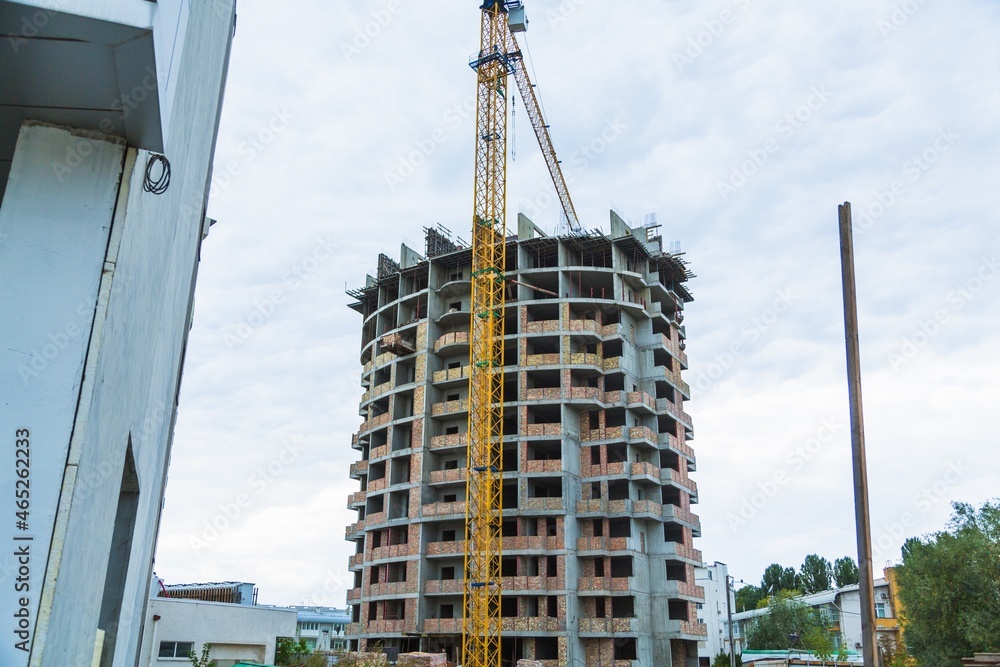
{"x": 122, "y": 403}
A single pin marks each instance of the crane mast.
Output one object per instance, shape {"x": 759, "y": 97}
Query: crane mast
{"x": 482, "y": 587}
{"x": 499, "y": 57}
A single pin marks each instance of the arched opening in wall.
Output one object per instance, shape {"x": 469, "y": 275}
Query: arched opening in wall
{"x": 118, "y": 559}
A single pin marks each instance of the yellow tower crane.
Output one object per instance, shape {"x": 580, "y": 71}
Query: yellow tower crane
{"x": 498, "y": 58}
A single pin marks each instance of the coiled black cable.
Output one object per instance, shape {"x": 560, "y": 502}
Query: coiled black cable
{"x": 156, "y": 185}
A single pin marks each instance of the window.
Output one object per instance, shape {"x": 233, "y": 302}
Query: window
{"x": 880, "y": 610}
{"x": 175, "y": 649}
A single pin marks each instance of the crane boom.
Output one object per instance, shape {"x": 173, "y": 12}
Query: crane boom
{"x": 534, "y": 110}
{"x": 483, "y": 519}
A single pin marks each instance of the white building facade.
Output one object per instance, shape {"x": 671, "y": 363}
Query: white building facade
{"x": 322, "y": 628}
{"x": 714, "y": 612}
{"x": 98, "y": 259}
{"x": 236, "y": 632}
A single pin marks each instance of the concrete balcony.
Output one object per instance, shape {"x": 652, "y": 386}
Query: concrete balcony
{"x": 673, "y": 442}
{"x": 453, "y": 441}
{"x": 585, "y": 359}
{"x": 606, "y": 585}
{"x": 535, "y": 360}
{"x": 380, "y": 452}
{"x": 533, "y": 543}
{"x": 353, "y": 595}
{"x": 384, "y": 627}
{"x": 356, "y": 561}
{"x": 356, "y": 500}
{"x": 377, "y": 519}
{"x": 452, "y": 341}
{"x": 554, "y": 466}
{"x": 451, "y": 510}
{"x": 449, "y": 549}
{"x": 451, "y": 376}
{"x": 644, "y": 470}
{"x": 585, "y": 327}
{"x": 443, "y": 626}
{"x": 359, "y": 469}
{"x": 605, "y": 507}
{"x": 395, "y": 551}
{"x": 683, "y": 552}
{"x": 535, "y": 430}
{"x": 444, "y": 587}
{"x": 647, "y": 509}
{"x": 553, "y": 394}
{"x": 641, "y": 402}
{"x": 674, "y": 513}
{"x": 532, "y": 624}
{"x": 520, "y": 584}
{"x": 672, "y": 477}
{"x": 674, "y": 378}
{"x": 355, "y": 531}
{"x": 375, "y": 422}
{"x": 379, "y": 484}
{"x": 376, "y": 391}
{"x": 675, "y": 410}
{"x": 353, "y": 630}
{"x": 394, "y": 589}
{"x": 686, "y": 629}
{"x": 607, "y": 626}
{"x": 451, "y": 408}
{"x": 601, "y": 544}
{"x": 591, "y": 395}
{"x": 612, "y": 434}
{"x": 543, "y": 505}
{"x": 455, "y": 476}
{"x": 685, "y": 589}
{"x": 643, "y": 435}
{"x": 612, "y": 364}
{"x": 542, "y": 326}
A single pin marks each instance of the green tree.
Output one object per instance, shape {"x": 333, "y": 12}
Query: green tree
{"x": 289, "y": 652}
{"x": 204, "y": 660}
{"x": 722, "y": 660}
{"x": 819, "y": 642}
{"x": 816, "y": 574}
{"x": 777, "y": 578}
{"x": 845, "y": 572}
{"x": 949, "y": 585}
{"x": 786, "y": 624}
{"x": 749, "y": 597}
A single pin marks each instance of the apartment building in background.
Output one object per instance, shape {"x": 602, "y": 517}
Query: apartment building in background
{"x": 598, "y": 557}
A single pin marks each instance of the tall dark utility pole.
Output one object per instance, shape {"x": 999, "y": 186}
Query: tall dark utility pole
{"x": 862, "y": 518}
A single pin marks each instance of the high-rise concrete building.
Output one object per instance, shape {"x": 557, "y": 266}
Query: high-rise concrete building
{"x": 598, "y": 564}
{"x": 108, "y": 119}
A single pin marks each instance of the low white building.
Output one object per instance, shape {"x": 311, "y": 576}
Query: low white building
{"x": 840, "y": 609}
{"x": 714, "y": 611}
{"x": 322, "y": 628}
{"x": 237, "y": 632}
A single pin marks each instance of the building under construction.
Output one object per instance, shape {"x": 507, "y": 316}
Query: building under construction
{"x": 598, "y": 562}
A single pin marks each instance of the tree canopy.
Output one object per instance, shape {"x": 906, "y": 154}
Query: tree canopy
{"x": 845, "y": 572}
{"x": 777, "y": 578}
{"x": 749, "y": 597}
{"x": 787, "y": 623}
{"x": 816, "y": 574}
{"x": 949, "y": 586}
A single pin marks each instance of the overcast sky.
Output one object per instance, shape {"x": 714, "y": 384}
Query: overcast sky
{"x": 742, "y": 123}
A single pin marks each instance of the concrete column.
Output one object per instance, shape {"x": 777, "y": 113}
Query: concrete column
{"x": 55, "y": 224}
